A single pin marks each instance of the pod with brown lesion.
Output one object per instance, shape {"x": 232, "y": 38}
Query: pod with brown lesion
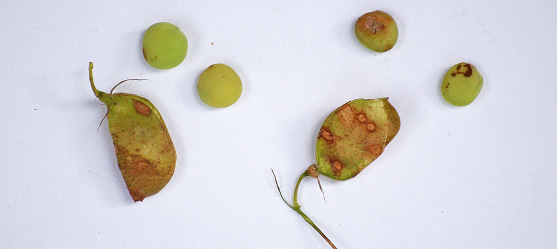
{"x": 350, "y": 138}
{"x": 144, "y": 150}
{"x": 366, "y": 126}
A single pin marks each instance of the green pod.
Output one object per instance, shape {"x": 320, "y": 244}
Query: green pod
{"x": 354, "y": 135}
{"x": 144, "y": 149}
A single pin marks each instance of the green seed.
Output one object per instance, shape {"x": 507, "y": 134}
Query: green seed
{"x": 219, "y": 86}
{"x": 164, "y": 45}
{"x": 145, "y": 152}
{"x": 377, "y": 31}
{"x": 462, "y": 84}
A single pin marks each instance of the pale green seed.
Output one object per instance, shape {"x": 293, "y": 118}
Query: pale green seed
{"x": 219, "y": 86}
{"x": 164, "y": 45}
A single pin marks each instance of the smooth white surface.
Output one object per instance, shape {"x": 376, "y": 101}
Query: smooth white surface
{"x": 480, "y": 176}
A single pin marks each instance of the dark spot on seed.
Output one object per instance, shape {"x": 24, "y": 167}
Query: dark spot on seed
{"x": 468, "y": 72}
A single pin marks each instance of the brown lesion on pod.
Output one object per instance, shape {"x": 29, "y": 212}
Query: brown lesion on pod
{"x": 370, "y": 126}
{"x": 141, "y": 166}
{"x": 142, "y": 108}
{"x": 357, "y": 133}
{"x": 326, "y": 134}
{"x": 135, "y": 163}
{"x": 166, "y": 148}
{"x": 144, "y": 150}
{"x": 362, "y": 118}
{"x": 375, "y": 150}
{"x": 345, "y": 115}
{"x": 337, "y": 167}
{"x": 139, "y": 172}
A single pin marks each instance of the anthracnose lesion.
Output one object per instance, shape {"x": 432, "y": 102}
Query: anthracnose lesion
{"x": 467, "y": 73}
{"x": 142, "y": 108}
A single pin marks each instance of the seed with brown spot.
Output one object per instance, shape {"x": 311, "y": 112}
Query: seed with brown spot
{"x": 462, "y": 84}
{"x": 142, "y": 108}
{"x": 377, "y": 31}
{"x": 370, "y": 126}
{"x": 373, "y": 25}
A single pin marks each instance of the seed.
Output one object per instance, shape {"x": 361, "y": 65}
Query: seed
{"x": 462, "y": 84}
{"x": 377, "y": 31}
{"x": 164, "y": 45}
{"x": 219, "y": 86}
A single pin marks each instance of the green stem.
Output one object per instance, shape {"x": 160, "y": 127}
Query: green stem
{"x": 97, "y": 92}
{"x": 296, "y": 207}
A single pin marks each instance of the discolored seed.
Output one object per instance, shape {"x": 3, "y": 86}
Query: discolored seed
{"x": 377, "y": 31}
{"x": 462, "y": 84}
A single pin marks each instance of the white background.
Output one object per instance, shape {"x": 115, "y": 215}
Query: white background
{"x": 480, "y": 176}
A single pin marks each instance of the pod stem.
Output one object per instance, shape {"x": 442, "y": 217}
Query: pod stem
{"x": 97, "y": 92}
{"x": 296, "y": 207}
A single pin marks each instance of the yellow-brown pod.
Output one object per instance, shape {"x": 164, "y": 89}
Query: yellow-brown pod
{"x": 354, "y": 135}
{"x": 144, "y": 149}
